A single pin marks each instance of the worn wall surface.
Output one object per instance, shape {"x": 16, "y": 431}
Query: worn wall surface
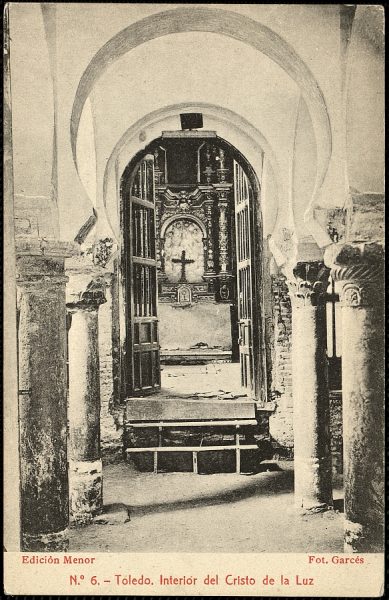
{"x": 281, "y": 421}
{"x": 183, "y": 328}
{"x": 110, "y": 430}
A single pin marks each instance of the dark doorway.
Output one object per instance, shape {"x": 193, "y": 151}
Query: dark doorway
{"x": 192, "y": 261}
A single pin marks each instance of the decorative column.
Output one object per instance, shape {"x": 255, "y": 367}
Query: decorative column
{"x": 223, "y": 231}
{"x": 358, "y": 270}
{"x": 224, "y": 275}
{"x": 85, "y": 466}
{"x": 209, "y": 260}
{"x": 311, "y": 418}
{"x": 158, "y": 249}
{"x": 42, "y": 394}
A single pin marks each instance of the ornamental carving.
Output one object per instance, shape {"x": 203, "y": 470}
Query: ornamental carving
{"x": 351, "y": 295}
{"x": 100, "y": 251}
{"x": 309, "y": 286}
{"x": 192, "y": 219}
{"x": 358, "y": 270}
{"x": 184, "y": 202}
{"x": 367, "y": 292}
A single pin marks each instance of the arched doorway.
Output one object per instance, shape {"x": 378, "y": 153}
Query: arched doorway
{"x": 192, "y": 278}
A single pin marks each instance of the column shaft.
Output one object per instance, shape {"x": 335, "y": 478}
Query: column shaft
{"x": 363, "y": 423}
{"x": 312, "y": 458}
{"x": 358, "y": 269}
{"x": 42, "y": 403}
{"x": 85, "y": 467}
{"x": 209, "y": 264}
{"x": 223, "y": 237}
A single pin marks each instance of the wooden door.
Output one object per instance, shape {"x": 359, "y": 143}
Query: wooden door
{"x": 244, "y": 230}
{"x": 143, "y": 365}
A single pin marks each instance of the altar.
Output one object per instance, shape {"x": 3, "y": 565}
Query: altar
{"x": 195, "y": 247}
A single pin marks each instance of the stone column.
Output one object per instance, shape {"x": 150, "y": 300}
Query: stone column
{"x": 358, "y": 270}
{"x": 311, "y": 418}
{"x": 42, "y": 394}
{"x": 85, "y": 466}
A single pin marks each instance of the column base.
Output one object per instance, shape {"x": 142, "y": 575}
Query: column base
{"x": 313, "y": 490}
{"x": 46, "y": 542}
{"x": 362, "y": 538}
{"x": 312, "y": 507}
{"x": 86, "y": 491}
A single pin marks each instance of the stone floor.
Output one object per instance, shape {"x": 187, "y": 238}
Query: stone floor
{"x": 182, "y": 512}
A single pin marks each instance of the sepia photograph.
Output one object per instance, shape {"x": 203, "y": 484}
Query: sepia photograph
{"x": 194, "y": 298}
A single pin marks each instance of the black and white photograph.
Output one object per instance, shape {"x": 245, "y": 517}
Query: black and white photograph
{"x": 194, "y": 299}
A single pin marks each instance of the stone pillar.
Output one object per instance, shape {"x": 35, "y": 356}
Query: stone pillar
{"x": 42, "y": 395}
{"x": 358, "y": 270}
{"x": 85, "y": 466}
{"x": 311, "y": 417}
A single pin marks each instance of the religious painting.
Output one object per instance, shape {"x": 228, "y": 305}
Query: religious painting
{"x": 184, "y": 236}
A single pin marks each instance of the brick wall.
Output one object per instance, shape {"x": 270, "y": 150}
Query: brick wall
{"x": 110, "y": 421}
{"x": 336, "y": 432}
{"x": 281, "y": 421}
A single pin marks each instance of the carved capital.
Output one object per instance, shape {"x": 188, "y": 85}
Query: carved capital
{"x": 223, "y": 195}
{"x": 358, "y": 270}
{"x": 40, "y": 264}
{"x": 48, "y": 248}
{"x": 87, "y": 283}
{"x": 309, "y": 284}
{"x": 39, "y": 275}
{"x": 90, "y": 298}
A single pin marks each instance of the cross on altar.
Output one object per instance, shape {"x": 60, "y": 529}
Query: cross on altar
{"x": 184, "y": 261}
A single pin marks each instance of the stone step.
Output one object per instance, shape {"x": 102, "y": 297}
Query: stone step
{"x": 194, "y": 356}
{"x": 185, "y": 409}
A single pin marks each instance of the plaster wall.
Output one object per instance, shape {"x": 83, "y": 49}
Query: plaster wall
{"x": 32, "y": 103}
{"x": 80, "y": 30}
{"x": 365, "y": 105}
{"x": 233, "y": 76}
{"x": 303, "y": 167}
{"x": 207, "y": 323}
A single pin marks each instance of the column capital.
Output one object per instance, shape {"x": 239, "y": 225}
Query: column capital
{"x": 87, "y": 280}
{"x": 222, "y": 191}
{"x": 88, "y": 299}
{"x": 309, "y": 284}
{"x": 40, "y": 262}
{"x": 47, "y": 248}
{"x": 358, "y": 270}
